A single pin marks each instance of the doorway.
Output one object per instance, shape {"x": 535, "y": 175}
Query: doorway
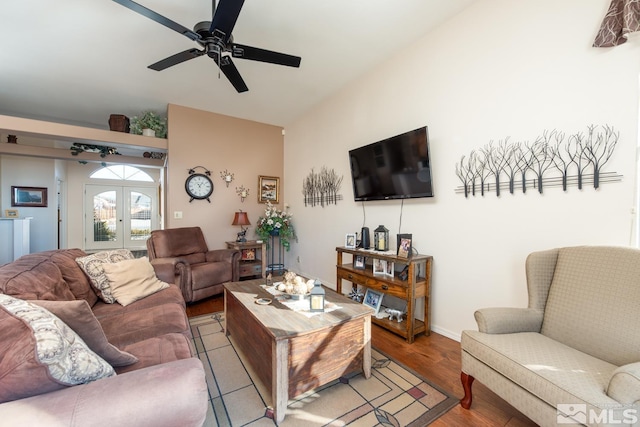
{"x": 119, "y": 216}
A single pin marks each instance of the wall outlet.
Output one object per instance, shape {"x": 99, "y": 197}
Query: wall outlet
{"x": 177, "y": 214}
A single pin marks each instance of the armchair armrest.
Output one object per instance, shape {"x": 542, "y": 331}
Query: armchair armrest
{"x": 222, "y": 255}
{"x": 624, "y": 385}
{"x": 168, "y": 269}
{"x": 507, "y": 320}
{"x": 169, "y": 394}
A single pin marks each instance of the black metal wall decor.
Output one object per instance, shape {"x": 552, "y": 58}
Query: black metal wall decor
{"x": 322, "y": 188}
{"x": 77, "y": 148}
{"x": 524, "y": 164}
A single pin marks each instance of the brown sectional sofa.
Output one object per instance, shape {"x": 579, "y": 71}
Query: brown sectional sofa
{"x": 164, "y": 387}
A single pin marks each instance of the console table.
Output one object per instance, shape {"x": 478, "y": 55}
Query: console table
{"x": 416, "y": 286}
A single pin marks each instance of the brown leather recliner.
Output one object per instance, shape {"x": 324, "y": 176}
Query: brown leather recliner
{"x": 198, "y": 271}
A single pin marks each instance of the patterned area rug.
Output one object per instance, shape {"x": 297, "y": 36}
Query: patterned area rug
{"x": 392, "y": 397}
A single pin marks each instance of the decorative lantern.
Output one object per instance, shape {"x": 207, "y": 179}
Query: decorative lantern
{"x": 381, "y": 238}
{"x": 316, "y": 297}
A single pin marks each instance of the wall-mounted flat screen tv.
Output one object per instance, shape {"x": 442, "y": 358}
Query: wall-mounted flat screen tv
{"x": 394, "y": 168}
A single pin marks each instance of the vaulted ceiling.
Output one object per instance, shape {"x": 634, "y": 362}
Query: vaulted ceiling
{"x": 78, "y": 61}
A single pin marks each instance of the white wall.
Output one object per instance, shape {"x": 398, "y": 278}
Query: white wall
{"x": 32, "y": 172}
{"x": 500, "y": 68}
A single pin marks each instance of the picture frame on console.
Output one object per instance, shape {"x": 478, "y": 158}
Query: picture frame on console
{"x": 379, "y": 267}
{"x": 373, "y": 299}
{"x": 404, "y": 245}
{"x": 359, "y": 262}
{"x": 389, "y": 269}
{"x": 350, "y": 241}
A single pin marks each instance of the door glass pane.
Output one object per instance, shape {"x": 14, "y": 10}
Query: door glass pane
{"x": 104, "y": 217}
{"x": 140, "y": 216}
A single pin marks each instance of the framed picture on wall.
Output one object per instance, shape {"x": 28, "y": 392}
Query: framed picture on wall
{"x": 34, "y": 197}
{"x": 268, "y": 189}
{"x": 11, "y": 213}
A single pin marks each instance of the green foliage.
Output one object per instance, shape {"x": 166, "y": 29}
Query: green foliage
{"x": 149, "y": 120}
{"x": 101, "y": 232}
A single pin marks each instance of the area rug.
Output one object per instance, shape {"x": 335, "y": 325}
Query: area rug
{"x": 392, "y": 397}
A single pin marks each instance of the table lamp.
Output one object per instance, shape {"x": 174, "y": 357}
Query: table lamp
{"x": 240, "y": 218}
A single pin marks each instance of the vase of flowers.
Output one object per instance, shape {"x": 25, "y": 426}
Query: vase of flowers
{"x": 276, "y": 222}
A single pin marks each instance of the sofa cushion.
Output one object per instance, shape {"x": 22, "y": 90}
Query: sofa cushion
{"x": 172, "y": 294}
{"x": 39, "y": 353}
{"x": 34, "y": 277}
{"x": 154, "y": 351}
{"x": 93, "y": 264}
{"x": 546, "y": 368}
{"x": 78, "y": 316}
{"x": 128, "y": 327}
{"x": 77, "y": 280}
{"x": 593, "y": 302}
{"x": 133, "y": 279}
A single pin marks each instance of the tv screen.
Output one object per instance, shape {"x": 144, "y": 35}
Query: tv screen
{"x": 394, "y": 168}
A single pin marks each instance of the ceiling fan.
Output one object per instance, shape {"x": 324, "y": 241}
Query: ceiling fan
{"x": 216, "y": 40}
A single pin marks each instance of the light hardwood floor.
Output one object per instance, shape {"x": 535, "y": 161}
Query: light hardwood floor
{"x": 435, "y": 357}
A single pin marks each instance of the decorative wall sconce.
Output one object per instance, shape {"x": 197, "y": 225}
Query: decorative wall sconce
{"x": 227, "y": 177}
{"x": 241, "y": 218}
{"x": 242, "y": 192}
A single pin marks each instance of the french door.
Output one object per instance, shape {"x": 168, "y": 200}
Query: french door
{"x": 119, "y": 217}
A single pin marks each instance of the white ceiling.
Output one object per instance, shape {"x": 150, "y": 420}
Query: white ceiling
{"x": 78, "y": 61}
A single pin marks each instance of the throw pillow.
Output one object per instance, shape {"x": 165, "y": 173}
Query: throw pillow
{"x": 78, "y": 316}
{"x": 131, "y": 280}
{"x": 39, "y": 353}
{"x": 93, "y": 264}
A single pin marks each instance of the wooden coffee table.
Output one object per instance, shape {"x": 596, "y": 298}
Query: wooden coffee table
{"x": 291, "y": 352}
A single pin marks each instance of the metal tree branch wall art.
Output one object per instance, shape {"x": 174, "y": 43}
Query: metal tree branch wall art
{"x": 552, "y": 151}
{"x": 322, "y": 187}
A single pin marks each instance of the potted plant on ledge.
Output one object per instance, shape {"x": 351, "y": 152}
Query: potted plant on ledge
{"x": 276, "y": 222}
{"x": 149, "y": 124}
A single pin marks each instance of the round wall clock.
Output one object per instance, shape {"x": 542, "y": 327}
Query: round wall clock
{"x": 198, "y": 186}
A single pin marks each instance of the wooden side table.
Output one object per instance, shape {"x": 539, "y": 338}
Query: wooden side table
{"x": 253, "y": 261}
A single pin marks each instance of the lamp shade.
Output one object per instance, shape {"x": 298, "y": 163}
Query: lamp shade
{"x": 241, "y": 218}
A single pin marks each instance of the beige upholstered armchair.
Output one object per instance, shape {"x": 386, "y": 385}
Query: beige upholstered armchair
{"x": 182, "y": 253}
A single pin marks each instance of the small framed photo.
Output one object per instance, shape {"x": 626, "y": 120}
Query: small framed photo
{"x": 350, "y": 241}
{"x": 11, "y": 213}
{"x": 359, "y": 262}
{"x": 404, "y": 245}
{"x": 248, "y": 254}
{"x": 35, "y": 197}
{"x": 379, "y": 267}
{"x": 373, "y": 299}
{"x": 268, "y": 189}
{"x": 388, "y": 271}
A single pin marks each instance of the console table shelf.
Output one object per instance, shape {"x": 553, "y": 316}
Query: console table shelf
{"x": 417, "y": 286}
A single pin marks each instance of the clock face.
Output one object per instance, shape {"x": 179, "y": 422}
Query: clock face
{"x": 199, "y": 186}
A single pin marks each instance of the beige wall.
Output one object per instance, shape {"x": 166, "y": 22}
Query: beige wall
{"x": 501, "y": 68}
{"x": 247, "y": 149}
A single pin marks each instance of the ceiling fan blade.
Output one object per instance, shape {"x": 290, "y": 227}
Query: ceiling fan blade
{"x": 229, "y": 69}
{"x": 159, "y": 18}
{"x": 263, "y": 55}
{"x": 225, "y": 17}
{"x": 176, "y": 59}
